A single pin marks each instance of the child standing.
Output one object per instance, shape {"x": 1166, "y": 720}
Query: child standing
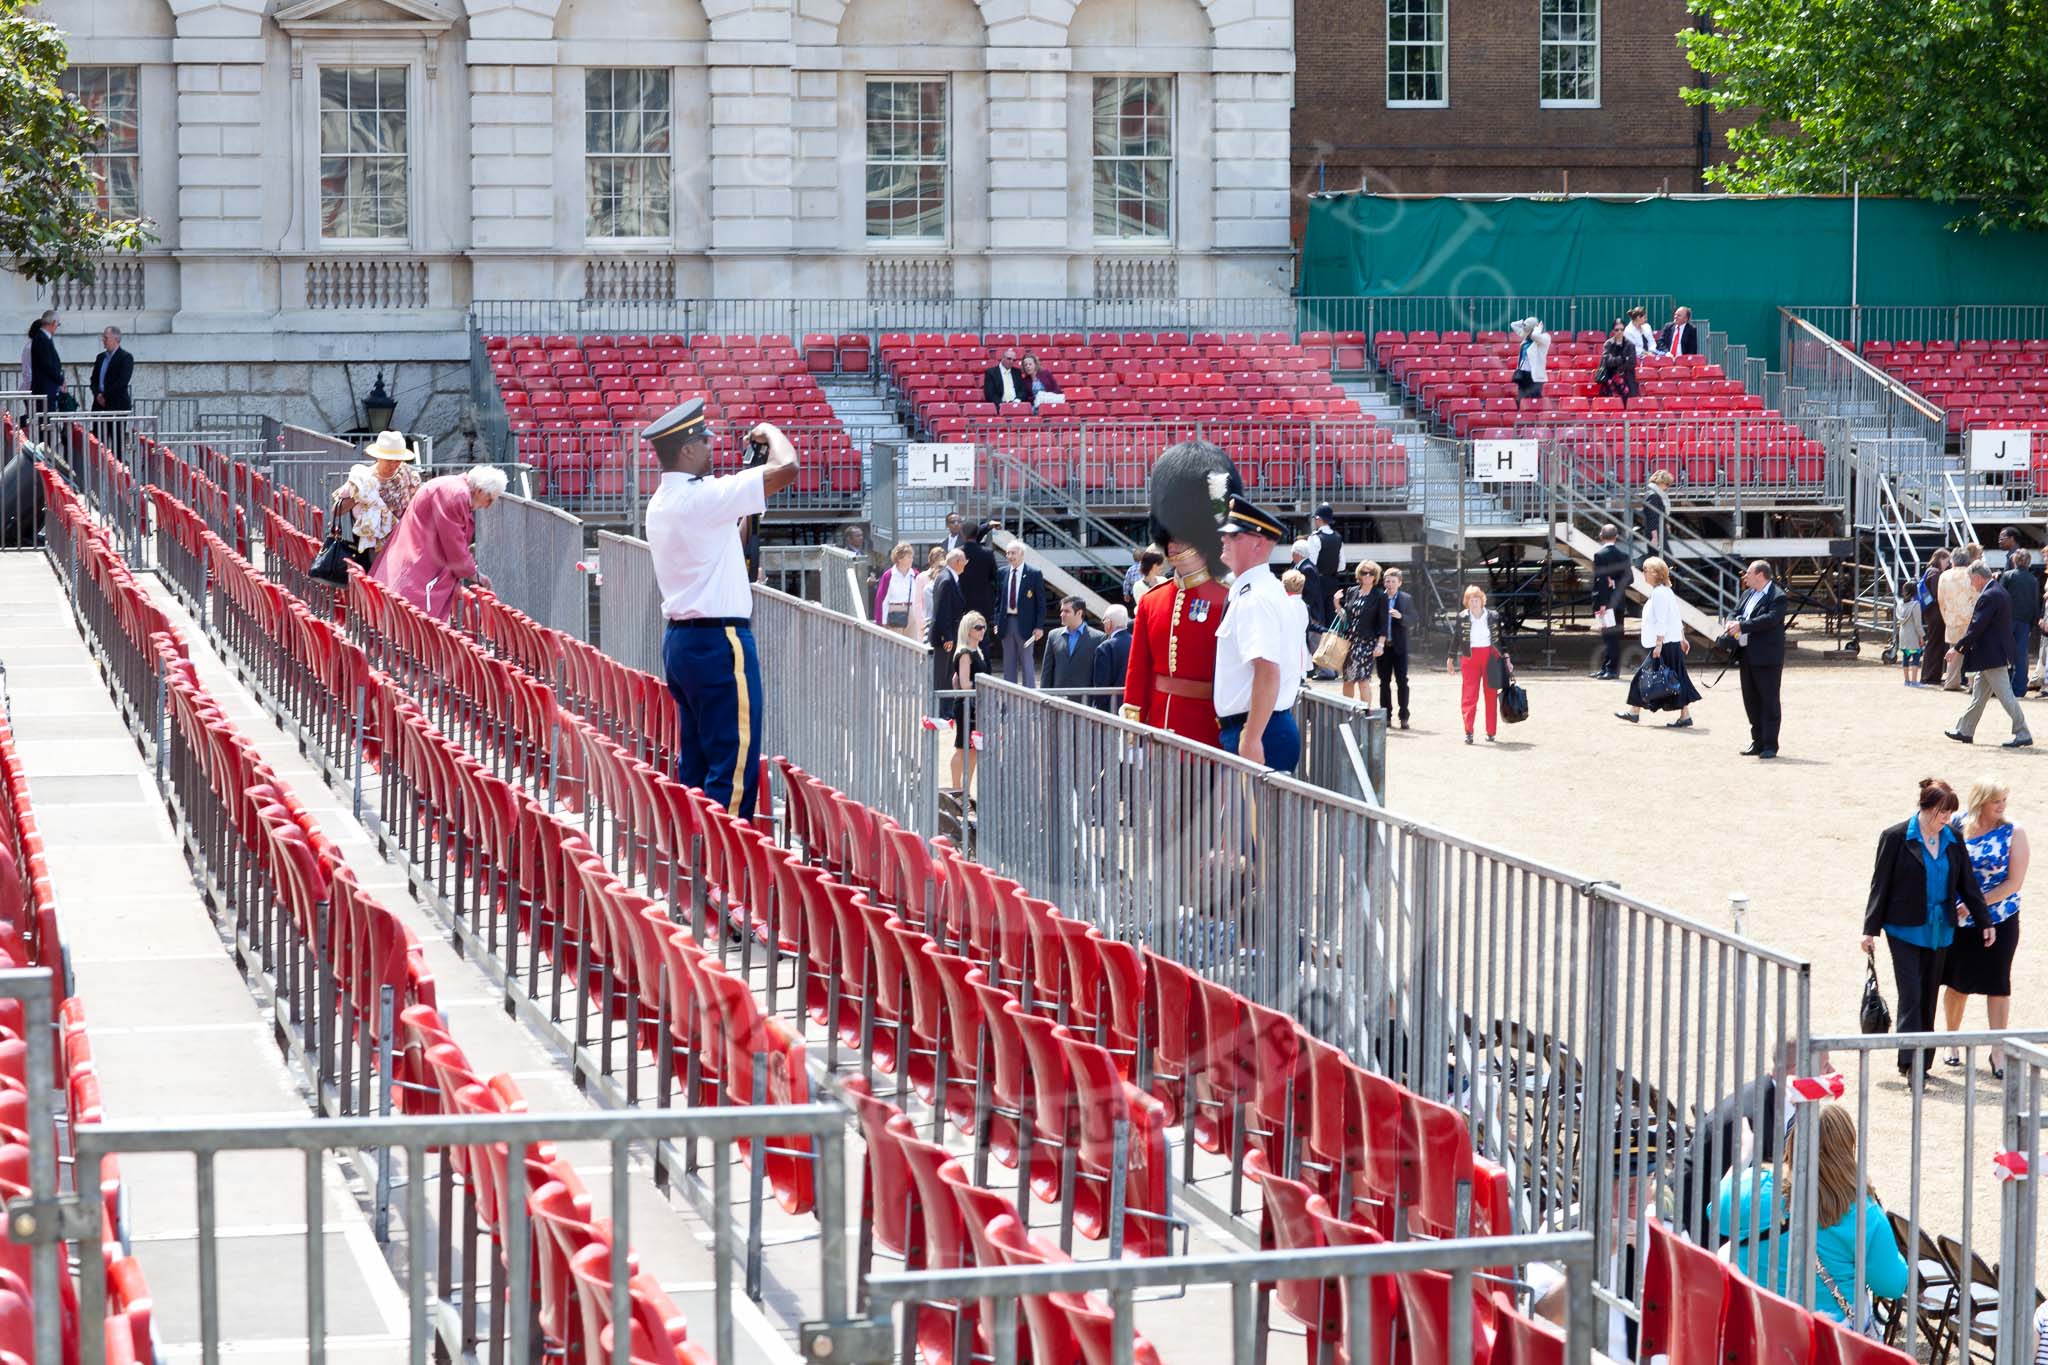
{"x": 1912, "y": 632}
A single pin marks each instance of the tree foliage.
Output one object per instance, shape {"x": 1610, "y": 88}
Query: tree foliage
{"x": 49, "y": 224}
{"x": 1934, "y": 99}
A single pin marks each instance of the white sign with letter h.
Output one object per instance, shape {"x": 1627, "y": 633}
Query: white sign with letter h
{"x": 1504, "y": 461}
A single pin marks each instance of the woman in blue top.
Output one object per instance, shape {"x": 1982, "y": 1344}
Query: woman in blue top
{"x": 1761, "y": 1243}
{"x": 1921, "y": 883}
{"x": 1998, "y": 855}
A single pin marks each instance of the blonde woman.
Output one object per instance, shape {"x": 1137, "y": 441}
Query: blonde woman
{"x": 1360, "y": 618}
{"x": 934, "y": 570}
{"x": 896, "y": 593}
{"x": 968, "y": 664}
{"x": 1476, "y": 651}
{"x": 1663, "y": 636}
{"x": 1998, "y": 856}
{"x": 375, "y": 495}
{"x": 1657, "y": 509}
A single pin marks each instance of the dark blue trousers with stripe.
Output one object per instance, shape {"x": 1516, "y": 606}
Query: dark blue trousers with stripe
{"x": 715, "y": 677}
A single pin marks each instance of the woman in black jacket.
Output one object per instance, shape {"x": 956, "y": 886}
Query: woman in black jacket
{"x": 1922, "y": 875}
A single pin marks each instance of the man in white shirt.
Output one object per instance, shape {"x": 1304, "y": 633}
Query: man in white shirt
{"x": 1258, "y": 650}
{"x": 693, "y": 528}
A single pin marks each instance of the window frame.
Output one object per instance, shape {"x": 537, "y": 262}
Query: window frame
{"x": 586, "y": 157}
{"x": 944, "y": 237}
{"x": 366, "y": 62}
{"x": 1545, "y": 46}
{"x": 67, "y": 81}
{"x": 1442, "y": 46}
{"x": 1139, "y": 241}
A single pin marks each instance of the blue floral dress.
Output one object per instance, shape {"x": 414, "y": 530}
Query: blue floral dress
{"x": 1972, "y": 968}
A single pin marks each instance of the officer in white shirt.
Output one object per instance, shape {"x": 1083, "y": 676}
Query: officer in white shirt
{"x": 1258, "y": 650}
{"x": 693, "y": 527}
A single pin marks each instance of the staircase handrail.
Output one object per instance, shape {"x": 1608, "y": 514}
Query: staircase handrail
{"x": 1790, "y": 323}
{"x": 1956, "y": 523}
{"x": 1017, "y": 477}
{"x": 1704, "y": 573}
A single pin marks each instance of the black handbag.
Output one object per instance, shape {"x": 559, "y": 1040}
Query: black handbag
{"x": 1876, "y": 1016}
{"x": 331, "y": 564}
{"x": 1656, "y": 681}
{"x": 1514, "y": 703}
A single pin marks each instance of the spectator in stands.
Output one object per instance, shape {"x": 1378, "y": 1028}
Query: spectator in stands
{"x": 1532, "y": 361}
{"x": 1747, "y": 1125}
{"x": 45, "y": 366}
{"x": 375, "y": 495}
{"x": 1657, "y": 511}
{"x": 1680, "y": 337}
{"x": 896, "y": 593}
{"x": 1910, "y": 637}
{"x": 1043, "y": 389}
{"x": 1934, "y": 656}
{"x": 1617, "y": 378}
{"x": 1611, "y": 578}
{"x": 1359, "y": 610}
{"x": 1329, "y": 551}
{"x": 1640, "y": 338}
{"x": 1390, "y": 651}
{"x": 968, "y": 664}
{"x": 1984, "y": 649}
{"x": 1003, "y": 382}
{"x": 429, "y": 556}
{"x": 1476, "y": 654}
{"x": 949, "y": 608}
{"x": 1662, "y": 634}
{"x": 1112, "y": 657}
{"x": 1151, "y": 573}
{"x": 1020, "y": 620}
{"x": 1920, "y": 880}
{"x": 1070, "y": 655}
{"x": 2024, "y": 589}
{"x": 1998, "y": 856}
{"x": 113, "y": 369}
{"x": 1748, "y": 1214}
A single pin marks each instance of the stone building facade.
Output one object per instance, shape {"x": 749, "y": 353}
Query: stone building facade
{"x": 1497, "y": 97}
{"x": 333, "y": 182}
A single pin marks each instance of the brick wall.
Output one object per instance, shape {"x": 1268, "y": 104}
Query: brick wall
{"x": 1494, "y": 136}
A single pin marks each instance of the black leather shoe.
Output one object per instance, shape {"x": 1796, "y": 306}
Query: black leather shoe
{"x": 1768, "y": 753}
{"x": 1960, "y": 739}
{"x": 2018, "y": 742}
{"x": 1628, "y": 716}
{"x": 1751, "y": 752}
{"x": 1597, "y": 673}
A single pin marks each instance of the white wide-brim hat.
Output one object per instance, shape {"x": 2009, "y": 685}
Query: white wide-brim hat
{"x": 390, "y": 445}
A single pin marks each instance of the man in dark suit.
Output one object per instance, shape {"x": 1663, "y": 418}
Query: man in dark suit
{"x": 949, "y": 604}
{"x": 1070, "y": 654}
{"x": 2025, "y": 591}
{"x": 978, "y": 579}
{"x": 45, "y": 366}
{"x": 1392, "y": 610}
{"x": 1985, "y": 649}
{"x": 1112, "y": 657}
{"x": 1758, "y": 631}
{"x": 112, "y": 370}
{"x": 1003, "y": 382}
{"x": 955, "y": 537}
{"x": 1680, "y": 337}
{"x": 1020, "y": 614}
{"x": 1329, "y": 547}
{"x": 1611, "y": 576}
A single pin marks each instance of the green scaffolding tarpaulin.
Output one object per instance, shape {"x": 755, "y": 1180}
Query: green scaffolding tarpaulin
{"x": 1734, "y": 260}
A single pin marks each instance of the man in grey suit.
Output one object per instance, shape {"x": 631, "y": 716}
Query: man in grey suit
{"x": 1070, "y": 653}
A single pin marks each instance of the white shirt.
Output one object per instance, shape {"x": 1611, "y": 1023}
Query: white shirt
{"x": 1482, "y": 634}
{"x": 1660, "y": 618}
{"x": 693, "y": 527}
{"x": 1300, "y": 609}
{"x": 897, "y": 592}
{"x": 1640, "y": 336}
{"x": 1259, "y": 625}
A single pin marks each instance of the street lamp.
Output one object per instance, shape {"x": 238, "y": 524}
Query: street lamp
{"x": 378, "y": 407}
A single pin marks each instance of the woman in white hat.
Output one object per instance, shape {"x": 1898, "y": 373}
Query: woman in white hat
{"x": 375, "y": 495}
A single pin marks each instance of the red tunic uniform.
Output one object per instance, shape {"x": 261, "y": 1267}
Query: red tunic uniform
{"x": 1173, "y": 658}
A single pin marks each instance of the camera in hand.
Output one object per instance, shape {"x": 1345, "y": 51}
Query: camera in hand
{"x": 756, "y": 452}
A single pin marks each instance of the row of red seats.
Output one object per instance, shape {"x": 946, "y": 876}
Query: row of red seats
{"x": 572, "y": 1252}
{"x": 1347, "y": 460}
{"x": 593, "y": 461}
{"x": 1699, "y": 1310}
{"x": 1982, "y": 384}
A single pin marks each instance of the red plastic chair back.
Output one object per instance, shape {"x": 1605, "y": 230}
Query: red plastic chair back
{"x": 1761, "y": 1328}
{"x": 1685, "y": 1293}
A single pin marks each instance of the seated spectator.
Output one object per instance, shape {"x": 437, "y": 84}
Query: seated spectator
{"x": 1003, "y": 382}
{"x": 1681, "y": 337}
{"x": 1042, "y": 388}
{"x": 1617, "y": 377}
{"x": 1639, "y": 334}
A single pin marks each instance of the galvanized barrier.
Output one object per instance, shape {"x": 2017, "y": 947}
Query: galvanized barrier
{"x": 1941, "y": 1193}
{"x": 1553, "y": 1010}
{"x": 1250, "y": 1278}
{"x": 826, "y": 574}
{"x": 629, "y": 621}
{"x": 530, "y": 552}
{"x": 40, "y": 1219}
{"x": 1836, "y": 379}
{"x": 1857, "y": 324}
{"x": 1343, "y": 745}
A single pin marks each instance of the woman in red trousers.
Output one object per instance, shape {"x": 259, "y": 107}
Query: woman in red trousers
{"x": 1475, "y": 645}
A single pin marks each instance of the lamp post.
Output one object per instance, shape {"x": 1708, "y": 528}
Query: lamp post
{"x": 378, "y": 407}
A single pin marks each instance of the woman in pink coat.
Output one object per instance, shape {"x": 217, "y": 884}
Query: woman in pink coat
{"x": 428, "y": 557}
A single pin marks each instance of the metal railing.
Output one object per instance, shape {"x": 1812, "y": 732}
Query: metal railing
{"x": 40, "y": 1219}
{"x": 1928, "y": 322}
{"x": 629, "y": 620}
{"x": 530, "y": 552}
{"x": 1550, "y": 1008}
{"x": 1838, "y": 381}
{"x": 834, "y": 577}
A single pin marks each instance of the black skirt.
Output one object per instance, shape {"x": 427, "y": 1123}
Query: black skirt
{"x": 1974, "y": 969}
{"x": 1673, "y": 658}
